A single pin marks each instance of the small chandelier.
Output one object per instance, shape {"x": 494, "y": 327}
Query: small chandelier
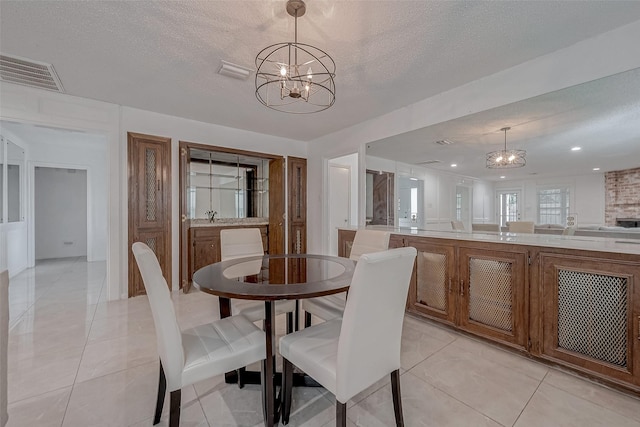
{"x": 505, "y": 159}
{"x": 294, "y": 77}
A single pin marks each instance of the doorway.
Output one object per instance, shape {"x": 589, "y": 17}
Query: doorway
{"x": 464, "y": 200}
{"x": 379, "y": 198}
{"x": 60, "y": 213}
{"x": 410, "y": 202}
{"x": 508, "y": 206}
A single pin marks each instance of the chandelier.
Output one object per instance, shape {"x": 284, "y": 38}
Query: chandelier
{"x": 295, "y": 77}
{"x": 505, "y": 159}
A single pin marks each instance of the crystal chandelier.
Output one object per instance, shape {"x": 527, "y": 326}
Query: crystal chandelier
{"x": 505, "y": 159}
{"x": 295, "y": 77}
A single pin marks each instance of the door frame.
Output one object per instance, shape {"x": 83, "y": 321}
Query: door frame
{"x": 520, "y": 201}
{"x": 332, "y": 205}
{"x": 31, "y": 167}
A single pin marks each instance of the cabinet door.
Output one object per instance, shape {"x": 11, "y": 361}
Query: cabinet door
{"x": 591, "y": 315}
{"x": 493, "y": 292}
{"x": 432, "y": 292}
{"x": 204, "y": 248}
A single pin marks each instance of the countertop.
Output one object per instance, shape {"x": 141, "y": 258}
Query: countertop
{"x": 601, "y": 244}
{"x": 226, "y": 222}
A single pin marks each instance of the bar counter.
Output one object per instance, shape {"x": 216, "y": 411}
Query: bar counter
{"x": 572, "y": 301}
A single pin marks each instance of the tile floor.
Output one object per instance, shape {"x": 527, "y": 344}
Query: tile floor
{"x": 77, "y": 360}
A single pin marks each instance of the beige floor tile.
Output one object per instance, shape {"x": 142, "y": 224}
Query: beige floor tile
{"x": 485, "y": 385}
{"x": 551, "y": 406}
{"x": 38, "y": 374}
{"x": 418, "y": 344}
{"x": 45, "y": 410}
{"x": 120, "y": 399}
{"x": 508, "y": 359}
{"x": 423, "y": 405}
{"x": 454, "y": 380}
{"x": 113, "y": 355}
{"x": 600, "y": 395}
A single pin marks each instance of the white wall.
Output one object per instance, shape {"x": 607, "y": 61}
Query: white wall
{"x": 586, "y": 196}
{"x": 609, "y": 53}
{"x": 350, "y": 161}
{"x": 60, "y": 215}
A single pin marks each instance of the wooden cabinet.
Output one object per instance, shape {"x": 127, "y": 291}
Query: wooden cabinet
{"x": 204, "y": 245}
{"x": 433, "y": 291}
{"x": 493, "y": 293}
{"x": 591, "y": 314}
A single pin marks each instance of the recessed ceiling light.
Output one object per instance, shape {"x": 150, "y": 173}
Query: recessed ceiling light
{"x": 502, "y": 177}
{"x": 413, "y": 179}
{"x": 453, "y": 165}
{"x": 576, "y": 148}
{"x": 596, "y": 169}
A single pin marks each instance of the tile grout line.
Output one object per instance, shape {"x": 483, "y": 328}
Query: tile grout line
{"x": 530, "y": 397}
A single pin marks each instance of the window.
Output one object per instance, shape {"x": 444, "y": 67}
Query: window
{"x": 459, "y": 206}
{"x": 553, "y": 205}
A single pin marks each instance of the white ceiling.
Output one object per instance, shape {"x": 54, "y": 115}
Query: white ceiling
{"x": 163, "y": 56}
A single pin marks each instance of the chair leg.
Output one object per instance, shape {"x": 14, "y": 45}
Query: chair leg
{"x": 289, "y": 322}
{"x": 241, "y": 376}
{"x": 287, "y": 389}
{"x": 397, "y": 400}
{"x": 174, "y": 411}
{"x": 162, "y": 388}
{"x": 307, "y": 319}
{"x": 341, "y": 414}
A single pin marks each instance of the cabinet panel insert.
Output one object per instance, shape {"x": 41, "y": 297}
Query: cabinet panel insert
{"x": 592, "y": 315}
{"x": 490, "y": 293}
{"x": 432, "y": 280}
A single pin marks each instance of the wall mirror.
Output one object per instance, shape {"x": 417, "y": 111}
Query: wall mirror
{"x": 572, "y": 136}
{"x": 226, "y": 185}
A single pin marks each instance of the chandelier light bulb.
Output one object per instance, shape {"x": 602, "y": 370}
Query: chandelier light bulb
{"x": 283, "y": 71}
{"x": 499, "y": 159}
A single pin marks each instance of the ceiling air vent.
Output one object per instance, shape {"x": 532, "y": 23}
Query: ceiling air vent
{"x": 429, "y": 162}
{"x": 26, "y": 72}
{"x": 443, "y": 142}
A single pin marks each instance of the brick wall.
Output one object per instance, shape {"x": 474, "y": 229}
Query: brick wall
{"x": 622, "y": 195}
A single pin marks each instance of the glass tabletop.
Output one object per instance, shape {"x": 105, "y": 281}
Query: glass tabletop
{"x": 273, "y": 277}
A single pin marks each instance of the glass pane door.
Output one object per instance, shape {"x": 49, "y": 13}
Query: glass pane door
{"x": 508, "y": 206}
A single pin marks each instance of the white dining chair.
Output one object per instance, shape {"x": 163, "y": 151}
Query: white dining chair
{"x": 331, "y": 306}
{"x": 457, "y": 225}
{"x": 4, "y": 343}
{"x": 526, "y": 227}
{"x": 193, "y": 354}
{"x": 247, "y": 242}
{"x": 349, "y": 354}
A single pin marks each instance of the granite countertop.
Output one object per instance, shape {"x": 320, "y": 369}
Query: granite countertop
{"x": 601, "y": 244}
{"x": 225, "y": 222}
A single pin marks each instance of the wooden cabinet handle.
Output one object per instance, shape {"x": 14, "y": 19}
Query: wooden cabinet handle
{"x": 449, "y": 284}
{"x": 461, "y": 287}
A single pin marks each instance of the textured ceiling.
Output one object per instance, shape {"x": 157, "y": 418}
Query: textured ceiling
{"x": 602, "y": 117}
{"x": 163, "y": 56}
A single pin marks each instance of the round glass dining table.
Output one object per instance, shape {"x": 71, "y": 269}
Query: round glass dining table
{"x": 270, "y": 278}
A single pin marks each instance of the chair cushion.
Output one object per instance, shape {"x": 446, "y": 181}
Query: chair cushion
{"x": 254, "y": 310}
{"x": 327, "y": 307}
{"x": 315, "y": 351}
{"x": 219, "y": 347}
